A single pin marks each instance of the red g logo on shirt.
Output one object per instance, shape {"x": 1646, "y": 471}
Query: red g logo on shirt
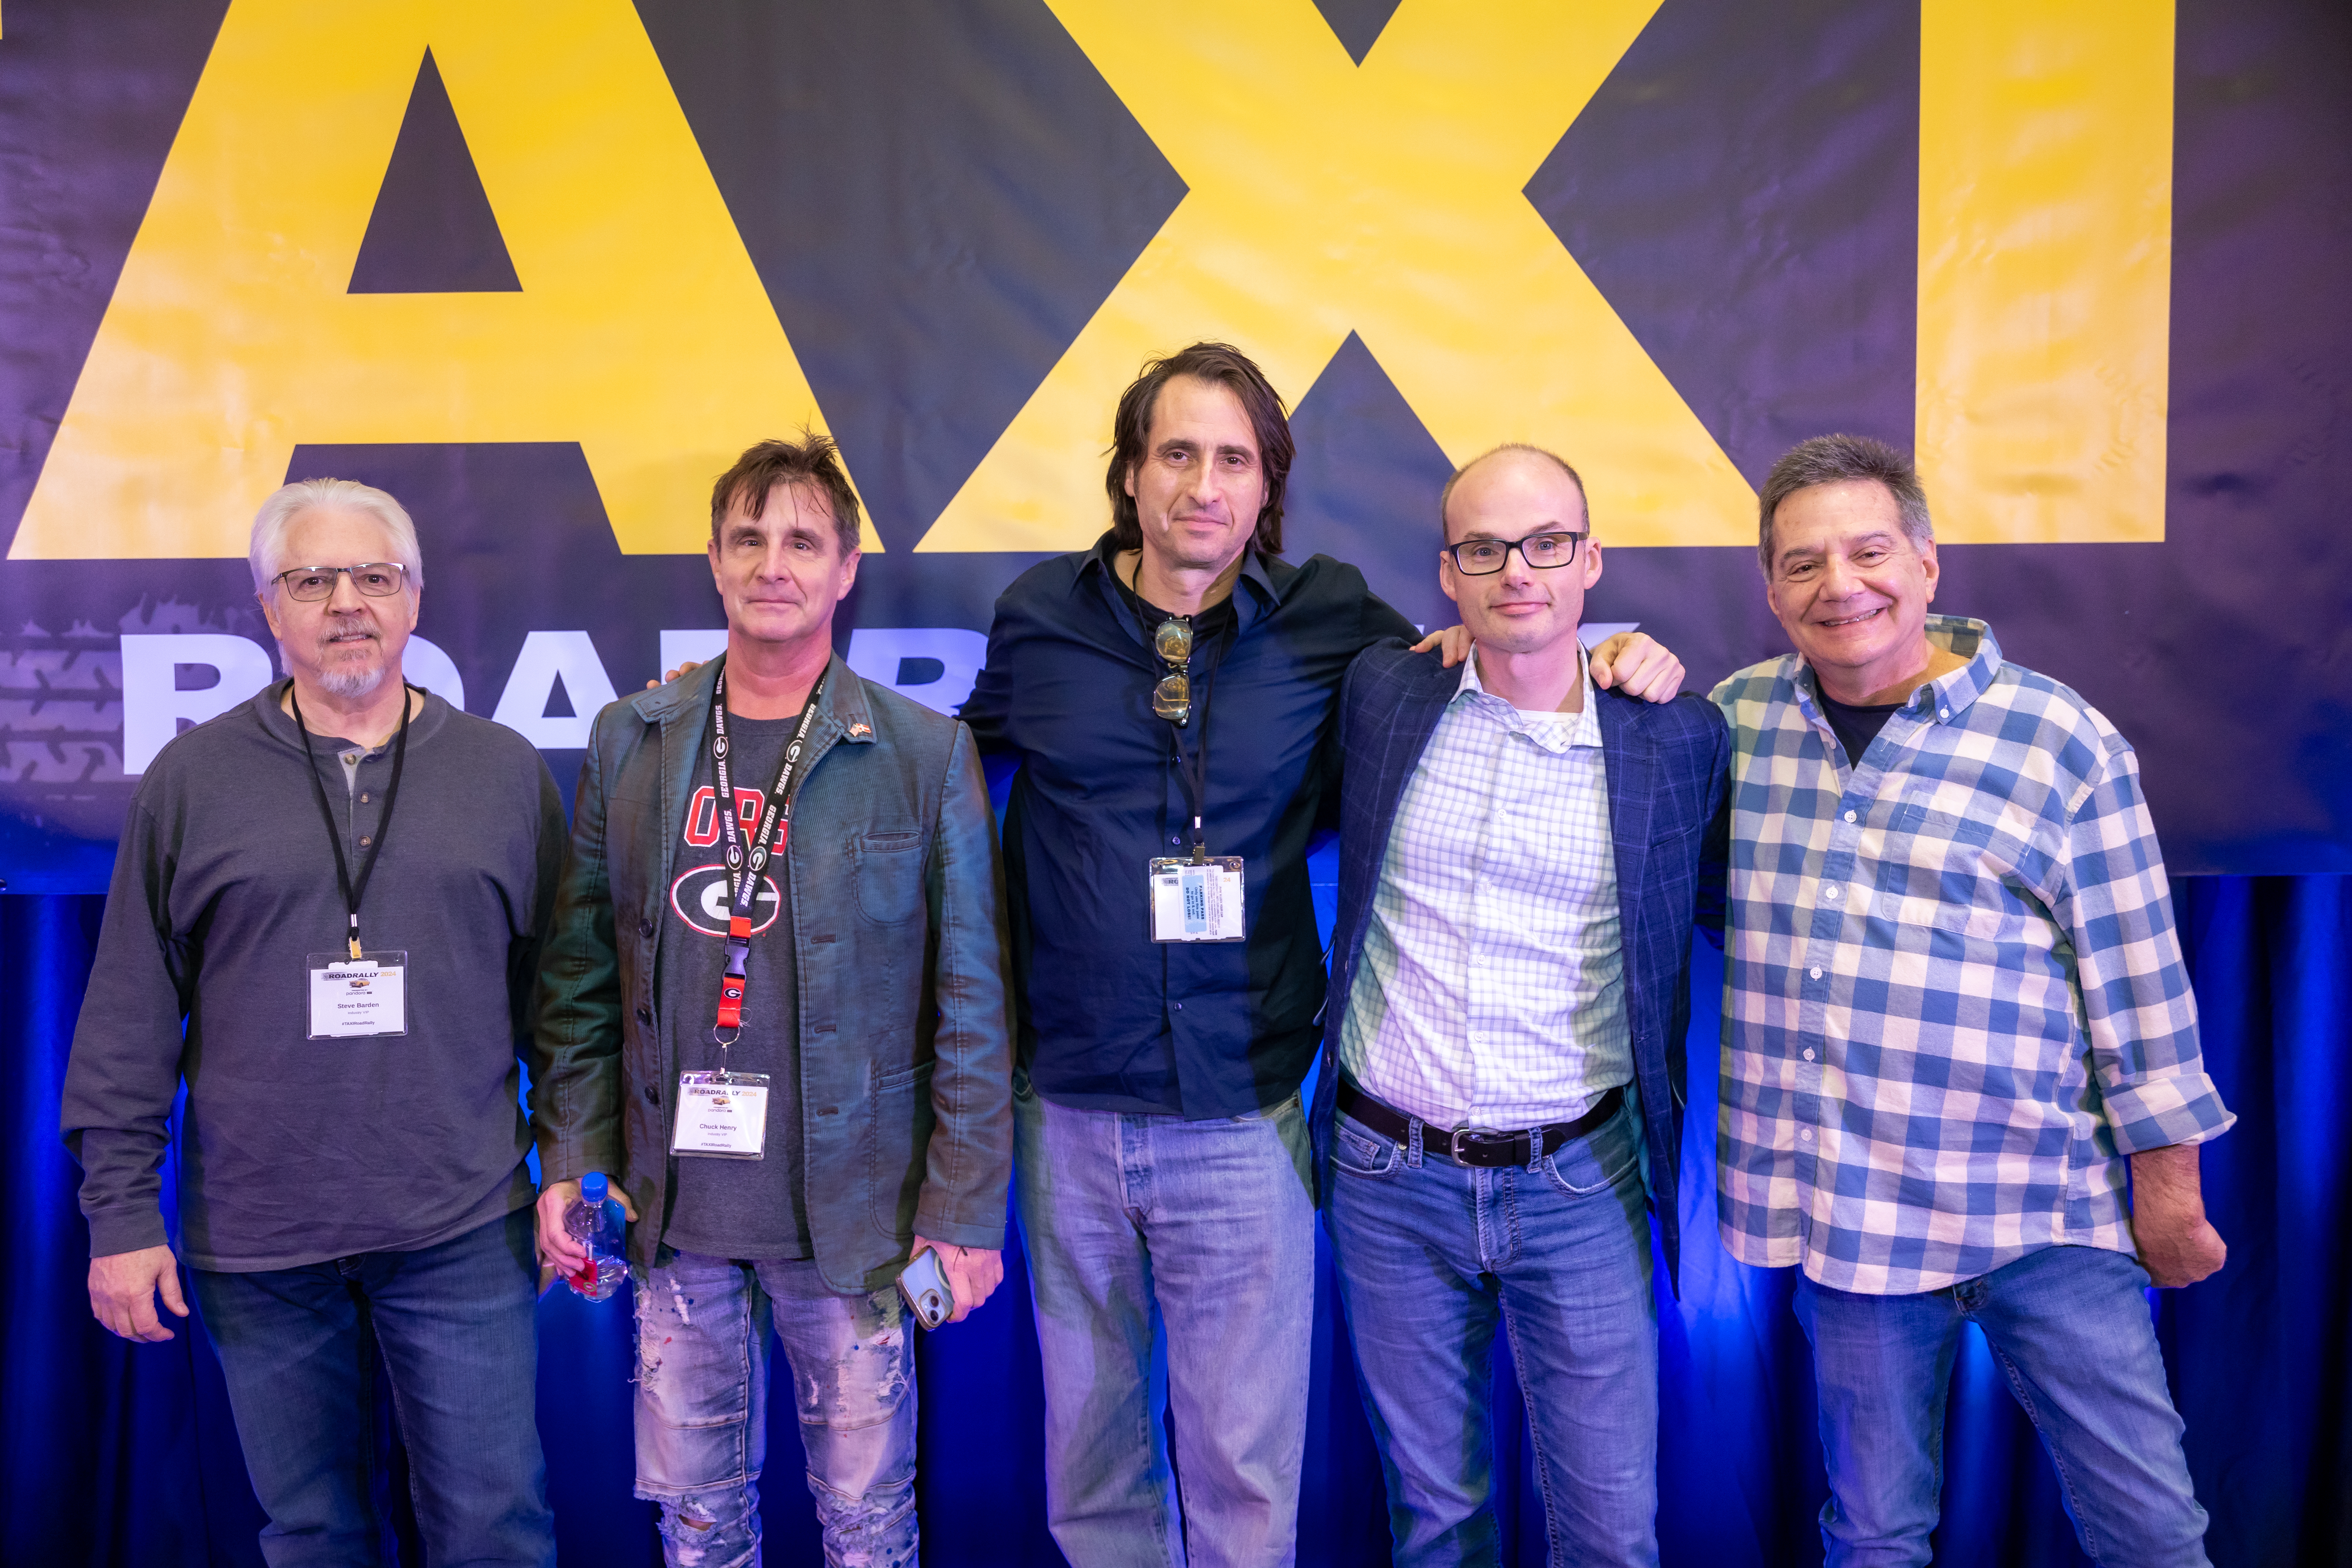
{"x": 698, "y": 898}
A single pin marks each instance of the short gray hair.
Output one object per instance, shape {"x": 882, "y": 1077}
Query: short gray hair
{"x": 278, "y": 512}
{"x": 1445, "y": 496}
{"x": 1835, "y": 459}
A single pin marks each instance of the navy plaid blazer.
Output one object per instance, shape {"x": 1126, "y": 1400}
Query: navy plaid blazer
{"x": 1669, "y": 768}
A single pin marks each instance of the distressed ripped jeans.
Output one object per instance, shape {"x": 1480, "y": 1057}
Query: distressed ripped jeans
{"x": 702, "y": 1409}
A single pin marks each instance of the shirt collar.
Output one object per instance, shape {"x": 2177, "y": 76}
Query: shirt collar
{"x": 1101, "y": 564}
{"x": 421, "y": 725}
{"x": 1583, "y": 727}
{"x": 1103, "y": 560}
{"x": 1943, "y": 701}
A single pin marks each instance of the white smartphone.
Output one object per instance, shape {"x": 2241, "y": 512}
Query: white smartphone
{"x": 924, "y": 1285}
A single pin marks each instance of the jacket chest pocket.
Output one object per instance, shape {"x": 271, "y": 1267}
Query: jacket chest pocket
{"x": 890, "y": 874}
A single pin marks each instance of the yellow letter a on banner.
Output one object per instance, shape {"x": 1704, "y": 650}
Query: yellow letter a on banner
{"x": 641, "y": 331}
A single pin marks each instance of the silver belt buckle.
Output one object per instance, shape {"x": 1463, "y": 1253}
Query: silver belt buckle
{"x": 1453, "y": 1140}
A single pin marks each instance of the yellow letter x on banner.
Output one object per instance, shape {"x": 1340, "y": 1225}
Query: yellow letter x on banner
{"x": 1385, "y": 200}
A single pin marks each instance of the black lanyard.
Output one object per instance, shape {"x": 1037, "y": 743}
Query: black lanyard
{"x": 1202, "y": 668}
{"x": 1194, "y": 769}
{"x": 354, "y": 891}
{"x": 775, "y": 824}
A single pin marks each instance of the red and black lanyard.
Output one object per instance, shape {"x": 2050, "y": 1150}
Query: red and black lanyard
{"x": 743, "y": 869}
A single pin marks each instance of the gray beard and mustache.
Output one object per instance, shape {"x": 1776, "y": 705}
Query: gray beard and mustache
{"x": 346, "y": 681}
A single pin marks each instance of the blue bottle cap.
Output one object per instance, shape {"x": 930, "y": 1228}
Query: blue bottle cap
{"x": 592, "y": 1186}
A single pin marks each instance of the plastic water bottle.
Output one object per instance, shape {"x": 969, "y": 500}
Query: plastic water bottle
{"x": 595, "y": 1221}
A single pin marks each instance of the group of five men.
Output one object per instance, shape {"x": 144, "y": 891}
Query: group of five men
{"x": 791, "y": 989}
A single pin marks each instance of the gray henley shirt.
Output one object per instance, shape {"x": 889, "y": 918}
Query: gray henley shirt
{"x": 291, "y": 1149}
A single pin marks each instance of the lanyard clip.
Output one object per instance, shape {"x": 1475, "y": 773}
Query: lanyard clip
{"x": 355, "y": 949}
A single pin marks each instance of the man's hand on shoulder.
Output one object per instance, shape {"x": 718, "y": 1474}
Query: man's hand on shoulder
{"x": 1453, "y": 644}
{"x": 688, "y": 668}
{"x": 2177, "y": 1245}
{"x": 1638, "y": 665}
{"x": 122, "y": 1290}
{"x": 973, "y": 1274}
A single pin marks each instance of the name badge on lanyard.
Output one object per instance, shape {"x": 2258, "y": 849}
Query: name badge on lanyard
{"x": 1197, "y": 902}
{"x": 723, "y": 1114}
{"x": 358, "y": 998}
{"x": 356, "y": 994}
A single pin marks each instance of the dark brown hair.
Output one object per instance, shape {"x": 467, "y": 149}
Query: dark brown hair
{"x": 1833, "y": 460}
{"x": 811, "y": 461}
{"x": 1131, "y": 432}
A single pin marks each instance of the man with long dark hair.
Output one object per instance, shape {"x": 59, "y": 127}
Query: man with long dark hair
{"x": 1169, "y": 695}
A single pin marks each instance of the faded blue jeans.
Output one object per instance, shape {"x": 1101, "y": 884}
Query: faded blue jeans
{"x": 455, "y": 1327}
{"x": 1171, "y": 1264}
{"x": 702, "y": 1409}
{"x": 2070, "y": 1329}
{"x": 1434, "y": 1257}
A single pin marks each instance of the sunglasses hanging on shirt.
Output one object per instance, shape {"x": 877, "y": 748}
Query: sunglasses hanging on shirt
{"x": 1194, "y": 898}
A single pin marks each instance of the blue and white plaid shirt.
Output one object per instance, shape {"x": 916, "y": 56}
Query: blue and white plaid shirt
{"x": 1492, "y": 989}
{"x": 1954, "y": 998}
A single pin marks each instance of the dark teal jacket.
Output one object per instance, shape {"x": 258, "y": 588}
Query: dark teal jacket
{"x": 898, "y": 936}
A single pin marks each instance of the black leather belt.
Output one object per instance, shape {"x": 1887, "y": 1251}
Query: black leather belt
{"x": 1476, "y": 1145}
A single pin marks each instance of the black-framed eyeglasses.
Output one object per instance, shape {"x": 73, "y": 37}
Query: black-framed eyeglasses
{"x": 376, "y": 579}
{"x": 1172, "y": 697}
{"x": 1484, "y": 557}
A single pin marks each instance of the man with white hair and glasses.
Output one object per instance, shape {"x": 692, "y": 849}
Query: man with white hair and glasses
{"x": 325, "y": 922}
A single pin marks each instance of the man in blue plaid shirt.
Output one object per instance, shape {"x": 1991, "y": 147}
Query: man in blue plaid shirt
{"x": 1961, "y": 1080}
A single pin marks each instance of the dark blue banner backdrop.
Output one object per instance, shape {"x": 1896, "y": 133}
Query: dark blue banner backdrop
{"x": 939, "y": 201}
{"x": 908, "y": 222}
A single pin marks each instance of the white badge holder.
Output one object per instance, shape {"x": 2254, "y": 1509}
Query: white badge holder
{"x": 1197, "y": 900}
{"x": 358, "y": 998}
{"x": 723, "y": 1115}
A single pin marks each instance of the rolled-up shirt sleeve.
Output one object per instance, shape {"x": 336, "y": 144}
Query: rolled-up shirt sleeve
{"x": 2140, "y": 1011}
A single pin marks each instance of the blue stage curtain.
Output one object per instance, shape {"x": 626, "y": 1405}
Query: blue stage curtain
{"x": 123, "y": 1455}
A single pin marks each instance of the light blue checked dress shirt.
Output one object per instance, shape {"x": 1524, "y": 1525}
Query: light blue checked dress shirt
{"x": 1954, "y": 997}
{"x": 1491, "y": 991}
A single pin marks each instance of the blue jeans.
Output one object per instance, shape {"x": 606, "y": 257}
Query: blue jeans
{"x": 1150, "y": 1237}
{"x": 1432, "y": 1257}
{"x": 702, "y": 1409}
{"x": 457, "y": 1328}
{"x": 2070, "y": 1328}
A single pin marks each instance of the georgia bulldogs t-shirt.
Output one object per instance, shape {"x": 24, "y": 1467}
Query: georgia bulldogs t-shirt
{"x": 735, "y": 1208}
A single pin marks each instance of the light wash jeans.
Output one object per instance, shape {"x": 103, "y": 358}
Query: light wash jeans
{"x": 702, "y": 1409}
{"x": 1170, "y": 1263}
{"x": 1433, "y": 1256}
{"x": 2070, "y": 1329}
{"x": 457, "y": 1327}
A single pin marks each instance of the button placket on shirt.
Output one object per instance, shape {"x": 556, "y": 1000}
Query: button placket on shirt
{"x": 363, "y": 804}
{"x": 1818, "y": 966}
{"x": 1841, "y": 902}
{"x": 1480, "y": 981}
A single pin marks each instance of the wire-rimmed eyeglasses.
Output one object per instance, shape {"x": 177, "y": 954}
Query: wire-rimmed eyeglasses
{"x": 376, "y": 579}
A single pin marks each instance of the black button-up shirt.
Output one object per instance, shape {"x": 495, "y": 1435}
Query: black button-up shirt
{"x": 1109, "y": 1019}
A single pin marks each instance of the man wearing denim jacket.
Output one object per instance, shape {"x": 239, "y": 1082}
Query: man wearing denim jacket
{"x": 795, "y": 1083}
